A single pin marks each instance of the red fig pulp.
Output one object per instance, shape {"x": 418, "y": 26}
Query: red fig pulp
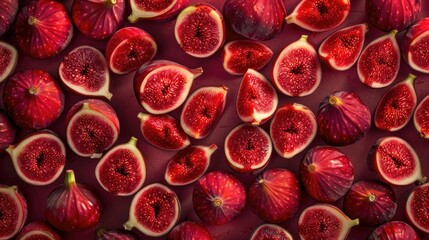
{"x": 394, "y": 230}
{"x": 421, "y": 117}
{"x": 39, "y": 231}
{"x": 143, "y": 9}
{"x": 7, "y": 131}
{"x": 414, "y": 45}
{"x": 416, "y": 208}
{"x": 13, "y": 208}
{"x": 270, "y": 231}
{"x": 189, "y": 230}
{"x": 8, "y": 59}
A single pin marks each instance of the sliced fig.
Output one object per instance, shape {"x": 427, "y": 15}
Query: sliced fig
{"x": 395, "y": 108}
{"x": 189, "y": 230}
{"x": 378, "y": 65}
{"x": 84, "y": 71}
{"x": 416, "y": 208}
{"x": 319, "y": 15}
{"x": 38, "y": 230}
{"x": 161, "y": 86}
{"x": 8, "y": 59}
{"x": 200, "y": 30}
{"x": 341, "y": 50}
{"x": 292, "y": 129}
{"x": 394, "y": 230}
{"x": 7, "y": 131}
{"x": 13, "y": 207}
{"x": 297, "y": 71}
{"x": 203, "y": 110}
{"x": 270, "y": 231}
{"x": 8, "y": 11}
{"x": 141, "y": 9}
{"x": 257, "y": 99}
{"x": 154, "y": 211}
{"x": 414, "y": 45}
{"x": 115, "y": 234}
{"x": 189, "y": 164}
{"x": 421, "y": 117}
{"x": 163, "y": 131}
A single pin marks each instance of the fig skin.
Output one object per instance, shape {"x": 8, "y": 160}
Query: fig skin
{"x": 421, "y": 117}
{"x": 415, "y": 206}
{"x": 394, "y": 230}
{"x": 270, "y": 231}
{"x": 115, "y": 234}
{"x": 14, "y": 208}
{"x": 8, "y": 11}
{"x": 37, "y": 229}
{"x": 189, "y": 230}
{"x": 413, "y": 44}
{"x": 7, "y": 131}
{"x": 8, "y": 58}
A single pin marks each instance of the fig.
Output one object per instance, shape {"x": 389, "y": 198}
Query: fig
{"x": 255, "y": 19}
{"x": 414, "y": 44}
{"x": 319, "y": 15}
{"x": 394, "y": 230}
{"x": 203, "y": 110}
{"x": 257, "y": 99}
{"x": 8, "y": 11}
{"x": 13, "y": 207}
{"x": 218, "y": 197}
{"x": 33, "y": 99}
{"x": 129, "y": 48}
{"x": 8, "y": 58}
{"x": 292, "y": 129}
{"x": 247, "y": 148}
{"x": 98, "y": 19}
{"x": 161, "y": 86}
{"x": 122, "y": 170}
{"x": 274, "y": 195}
{"x": 341, "y": 49}
{"x": 324, "y": 221}
{"x": 72, "y": 207}
{"x": 388, "y": 15}
{"x": 115, "y": 234}
{"x": 200, "y": 30}
{"x": 154, "y": 210}
{"x": 38, "y": 230}
{"x": 395, "y": 161}
{"x": 270, "y": 231}
{"x": 155, "y": 10}
{"x": 84, "y": 71}
{"x": 395, "y": 108}
{"x": 39, "y": 157}
{"x": 43, "y": 29}
{"x": 343, "y": 118}
{"x": 189, "y": 230}
{"x": 189, "y": 164}
{"x": 378, "y": 64}
{"x": 296, "y": 71}
{"x": 416, "y": 207}
{"x": 373, "y": 202}
{"x": 163, "y": 131}
{"x": 92, "y": 127}
{"x": 421, "y": 117}
{"x": 326, "y": 173}
{"x": 7, "y": 131}
{"x": 240, "y": 55}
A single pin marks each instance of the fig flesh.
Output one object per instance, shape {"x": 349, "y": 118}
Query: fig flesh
{"x": 115, "y": 234}
{"x": 421, "y": 117}
{"x": 141, "y": 9}
{"x": 7, "y": 131}
{"x": 394, "y": 230}
{"x": 13, "y": 207}
{"x": 8, "y": 58}
{"x": 189, "y": 230}
{"x": 8, "y": 11}
{"x": 270, "y": 231}
{"x": 416, "y": 208}
{"x": 413, "y": 46}
{"x": 38, "y": 230}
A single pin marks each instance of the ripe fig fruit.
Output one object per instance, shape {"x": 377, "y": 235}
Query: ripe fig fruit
{"x": 161, "y": 86}
{"x": 319, "y": 15}
{"x": 395, "y": 161}
{"x": 115, "y": 234}
{"x": 394, "y": 230}
{"x": 43, "y": 29}
{"x": 203, "y": 110}
{"x": 7, "y": 131}
{"x": 98, "y": 19}
{"x": 240, "y": 55}
{"x": 270, "y": 231}
{"x": 413, "y": 45}
{"x": 155, "y": 10}
{"x": 292, "y": 129}
{"x": 8, "y": 11}
{"x": 33, "y": 99}
{"x": 416, "y": 208}
{"x": 257, "y": 99}
{"x": 189, "y": 164}
{"x": 189, "y": 230}
{"x": 200, "y": 30}
{"x": 395, "y": 108}
{"x": 122, "y": 170}
{"x": 84, "y": 71}
{"x": 163, "y": 131}
{"x": 378, "y": 64}
{"x": 388, "y": 15}
{"x": 343, "y": 118}
{"x": 341, "y": 49}
{"x": 39, "y": 157}
{"x": 255, "y": 19}
{"x": 326, "y": 173}
{"x": 154, "y": 210}
{"x": 324, "y": 221}
{"x": 297, "y": 71}
{"x": 129, "y": 48}
{"x": 218, "y": 197}
{"x": 421, "y": 117}
{"x": 38, "y": 230}
{"x": 8, "y": 58}
{"x": 72, "y": 207}
{"x": 92, "y": 127}
{"x": 13, "y": 207}
{"x": 372, "y": 202}
{"x": 247, "y": 148}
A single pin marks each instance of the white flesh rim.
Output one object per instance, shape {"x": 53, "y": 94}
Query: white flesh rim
{"x": 37, "y": 232}
{"x": 270, "y": 225}
{"x": 409, "y": 211}
{"x": 416, "y": 123}
{"x": 12, "y": 193}
{"x": 415, "y": 41}
{"x": 11, "y": 67}
{"x": 137, "y": 13}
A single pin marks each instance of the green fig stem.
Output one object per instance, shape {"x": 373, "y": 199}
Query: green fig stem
{"x": 132, "y": 18}
{"x": 372, "y": 198}
{"x": 410, "y": 78}
{"x": 421, "y": 181}
{"x": 304, "y": 38}
{"x": 108, "y": 95}
{"x": 354, "y": 222}
{"x": 100, "y": 232}
{"x": 128, "y": 225}
{"x": 333, "y": 100}
{"x": 393, "y": 32}
{"x": 70, "y": 178}
{"x": 197, "y": 71}
{"x": 111, "y": 3}
{"x": 32, "y": 90}
{"x": 142, "y": 116}
{"x": 32, "y": 20}
{"x": 133, "y": 141}
{"x": 9, "y": 150}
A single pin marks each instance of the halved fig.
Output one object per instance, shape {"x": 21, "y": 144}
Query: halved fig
{"x": 163, "y": 131}
{"x": 84, "y": 71}
{"x": 395, "y": 108}
{"x": 188, "y": 230}
{"x": 13, "y": 207}
{"x": 161, "y": 86}
{"x": 416, "y": 208}
{"x": 297, "y": 71}
{"x": 8, "y": 11}
{"x": 319, "y": 15}
{"x": 8, "y": 59}
{"x": 39, "y": 158}
{"x": 257, "y": 99}
{"x": 247, "y": 148}
{"x": 38, "y": 230}
{"x": 7, "y": 131}
{"x": 141, "y": 9}
{"x": 122, "y": 170}
{"x": 154, "y": 210}
{"x": 414, "y": 44}
{"x": 378, "y": 65}
{"x": 203, "y": 110}
{"x": 341, "y": 49}
{"x": 189, "y": 164}
{"x": 394, "y": 230}
{"x": 200, "y": 30}
{"x": 292, "y": 129}
{"x": 270, "y": 231}
{"x": 115, "y": 234}
{"x": 421, "y": 117}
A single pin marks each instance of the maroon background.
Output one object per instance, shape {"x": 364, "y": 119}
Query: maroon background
{"x": 115, "y": 209}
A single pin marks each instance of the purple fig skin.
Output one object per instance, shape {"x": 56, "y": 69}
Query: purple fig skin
{"x": 116, "y": 234}
{"x": 270, "y": 231}
{"x": 413, "y": 46}
{"x": 416, "y": 206}
{"x": 7, "y": 131}
{"x": 189, "y": 230}
{"x": 8, "y": 11}
{"x": 395, "y": 230}
{"x": 13, "y": 206}
{"x": 36, "y": 230}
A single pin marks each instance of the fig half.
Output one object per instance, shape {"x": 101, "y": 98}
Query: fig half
{"x": 270, "y": 231}
{"x": 421, "y": 117}
{"x": 7, "y": 131}
{"x": 414, "y": 44}
{"x": 416, "y": 208}
{"x": 13, "y": 207}
{"x": 38, "y": 230}
{"x": 8, "y": 58}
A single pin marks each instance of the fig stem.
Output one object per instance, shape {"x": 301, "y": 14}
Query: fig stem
{"x": 132, "y": 18}
{"x": 333, "y": 100}
{"x": 311, "y": 168}
{"x": 70, "y": 179}
{"x": 100, "y": 232}
{"x": 128, "y": 225}
{"x": 217, "y": 202}
{"x": 32, "y": 20}
{"x": 111, "y": 3}
{"x": 197, "y": 71}
{"x": 133, "y": 141}
{"x": 372, "y": 198}
{"x": 304, "y": 38}
{"x": 354, "y": 222}
{"x": 142, "y": 116}
{"x": 410, "y": 78}
{"x": 32, "y": 90}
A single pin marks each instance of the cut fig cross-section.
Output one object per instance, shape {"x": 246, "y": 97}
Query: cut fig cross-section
{"x": 7, "y": 131}
{"x": 8, "y": 59}
{"x": 421, "y": 117}
{"x": 141, "y": 9}
{"x": 270, "y": 231}
{"x": 38, "y": 230}
{"x": 13, "y": 209}
{"x": 414, "y": 45}
{"x": 416, "y": 208}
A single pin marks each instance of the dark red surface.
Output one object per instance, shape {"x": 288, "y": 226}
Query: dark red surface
{"x": 115, "y": 209}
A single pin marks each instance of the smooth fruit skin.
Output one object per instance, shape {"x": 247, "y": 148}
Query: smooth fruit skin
{"x": 270, "y": 231}
{"x": 189, "y": 230}
{"x": 7, "y": 131}
{"x": 413, "y": 45}
{"x": 9, "y": 60}
{"x": 115, "y": 234}
{"x": 8, "y": 11}
{"x": 38, "y": 230}
{"x": 421, "y": 117}
{"x": 415, "y": 208}
{"x": 13, "y": 206}
{"x": 394, "y": 230}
